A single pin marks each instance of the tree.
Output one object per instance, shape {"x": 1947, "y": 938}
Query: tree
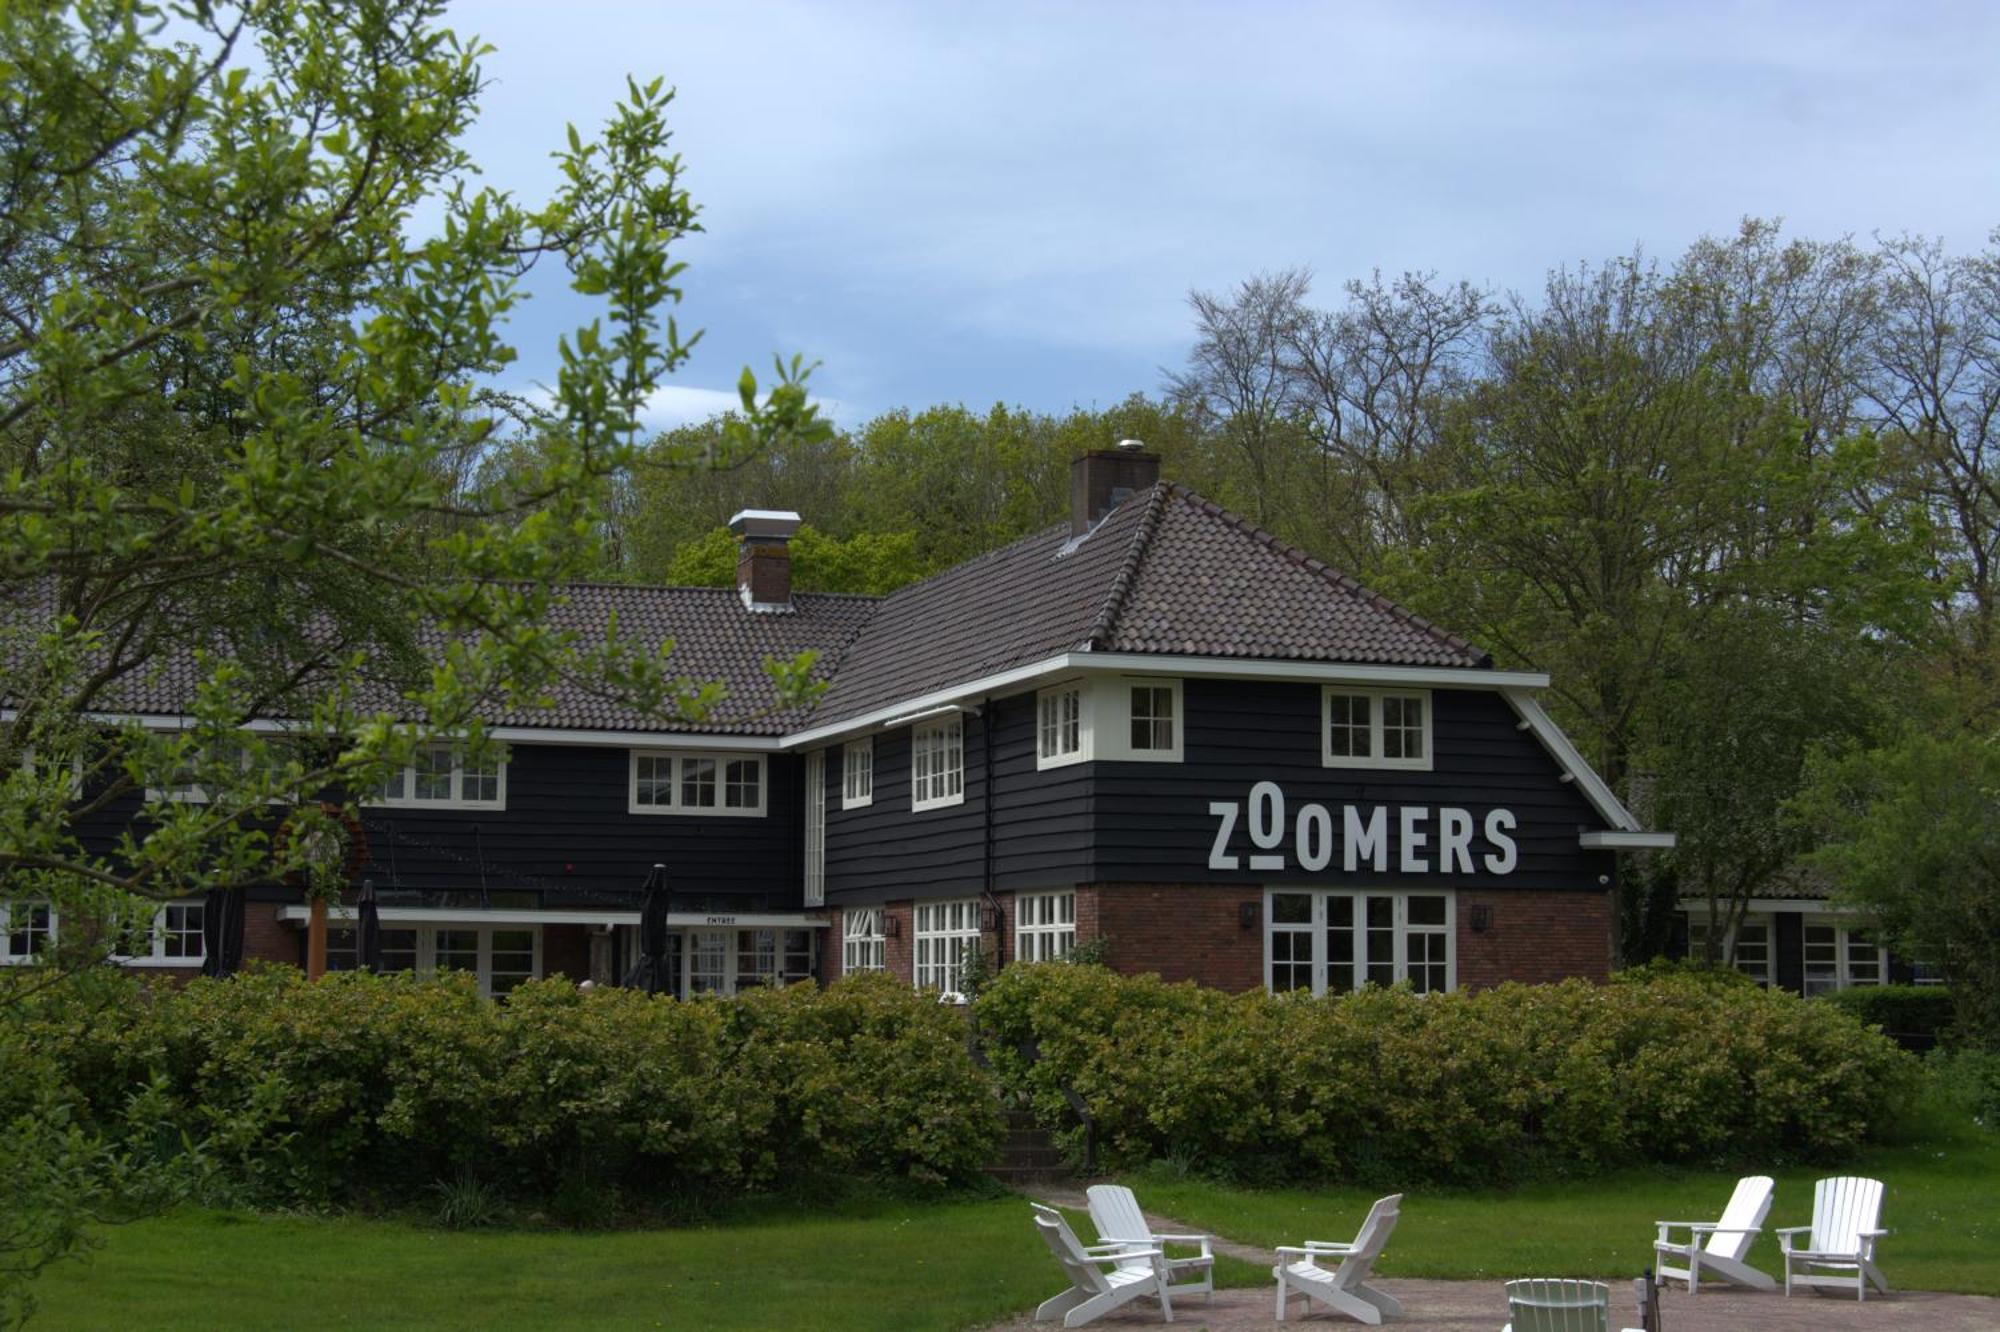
{"x": 1911, "y": 833}
{"x": 245, "y": 418}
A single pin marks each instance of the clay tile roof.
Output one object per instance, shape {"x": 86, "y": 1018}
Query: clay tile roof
{"x": 1165, "y": 572}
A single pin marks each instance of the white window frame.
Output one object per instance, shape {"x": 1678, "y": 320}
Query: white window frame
{"x": 456, "y": 800}
{"x": 1845, "y": 940}
{"x": 156, "y": 933}
{"x": 815, "y": 829}
{"x": 1317, "y": 927}
{"x": 189, "y": 793}
{"x": 1044, "y": 925}
{"x": 942, "y": 932}
{"x": 1111, "y": 715}
{"x": 1374, "y": 758}
{"x": 685, "y": 945}
{"x": 677, "y": 758}
{"x": 857, "y": 773}
{"x": 8, "y": 907}
{"x": 1757, "y": 969}
{"x": 938, "y": 780}
{"x": 864, "y": 944}
{"x": 425, "y": 949}
{"x": 1062, "y": 726}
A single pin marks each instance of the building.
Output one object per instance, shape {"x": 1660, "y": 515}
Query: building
{"x": 1793, "y": 936}
{"x": 1153, "y": 725}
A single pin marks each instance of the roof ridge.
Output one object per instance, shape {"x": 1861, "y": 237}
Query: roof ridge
{"x": 1128, "y": 568}
{"x": 1344, "y": 581}
{"x": 731, "y": 589}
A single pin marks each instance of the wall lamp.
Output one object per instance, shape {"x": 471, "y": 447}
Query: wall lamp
{"x": 1482, "y": 919}
{"x": 1246, "y": 915}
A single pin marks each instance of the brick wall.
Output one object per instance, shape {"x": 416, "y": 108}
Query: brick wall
{"x": 266, "y": 939}
{"x": 1534, "y": 936}
{"x": 566, "y": 951}
{"x": 899, "y": 950}
{"x": 1183, "y": 931}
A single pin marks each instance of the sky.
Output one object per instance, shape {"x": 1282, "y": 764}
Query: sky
{"x": 959, "y": 203}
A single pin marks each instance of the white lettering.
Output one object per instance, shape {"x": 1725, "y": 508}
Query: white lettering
{"x": 1267, "y": 823}
{"x": 1218, "y": 855}
{"x": 1315, "y": 837}
{"x": 1501, "y": 860}
{"x": 1454, "y": 840}
{"x": 1370, "y": 840}
{"x": 1414, "y": 841}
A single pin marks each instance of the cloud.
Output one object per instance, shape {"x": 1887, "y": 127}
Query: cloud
{"x": 672, "y": 405}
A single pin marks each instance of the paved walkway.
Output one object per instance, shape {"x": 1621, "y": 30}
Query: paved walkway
{"x": 1481, "y": 1306}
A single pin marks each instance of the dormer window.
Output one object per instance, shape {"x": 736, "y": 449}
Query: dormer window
{"x": 1375, "y": 728}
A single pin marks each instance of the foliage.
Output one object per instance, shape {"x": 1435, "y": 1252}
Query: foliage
{"x": 869, "y": 563}
{"x": 1967, "y": 1079}
{"x": 1911, "y": 833}
{"x": 1387, "y": 1086}
{"x": 1919, "y": 1013}
{"x": 364, "y": 1087}
{"x": 1691, "y": 969}
{"x": 249, "y": 442}
{"x": 63, "y": 1172}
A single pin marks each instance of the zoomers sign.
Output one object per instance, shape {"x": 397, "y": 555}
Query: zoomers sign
{"x": 1364, "y": 836}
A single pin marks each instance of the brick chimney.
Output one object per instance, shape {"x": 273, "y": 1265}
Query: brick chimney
{"x": 1102, "y": 479}
{"x": 764, "y": 557}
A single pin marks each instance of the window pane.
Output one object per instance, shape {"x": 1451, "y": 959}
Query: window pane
{"x": 1291, "y": 908}
{"x": 457, "y": 950}
{"x": 742, "y": 782}
{"x": 399, "y": 950}
{"x": 513, "y": 959}
{"x": 1403, "y": 727}
{"x": 1339, "y": 943}
{"x": 1349, "y": 718}
{"x": 433, "y": 773}
{"x": 655, "y": 778}
{"x": 1380, "y": 913}
{"x": 698, "y": 783}
{"x": 756, "y": 957}
{"x": 708, "y": 962}
{"x": 1426, "y": 910}
{"x": 480, "y": 780}
{"x": 1152, "y": 717}
{"x": 181, "y": 936}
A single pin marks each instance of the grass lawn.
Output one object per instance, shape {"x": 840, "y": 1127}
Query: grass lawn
{"x": 1942, "y": 1203}
{"x": 867, "y": 1266}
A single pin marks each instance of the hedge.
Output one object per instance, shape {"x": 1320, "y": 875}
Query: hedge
{"x": 384, "y": 1087}
{"x": 1915, "y": 1015}
{"x": 1394, "y": 1088}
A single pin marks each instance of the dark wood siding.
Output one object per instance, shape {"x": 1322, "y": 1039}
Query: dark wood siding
{"x": 887, "y": 850}
{"x": 567, "y": 836}
{"x": 1153, "y": 824}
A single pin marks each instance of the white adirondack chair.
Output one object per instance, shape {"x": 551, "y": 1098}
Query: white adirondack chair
{"x": 1550, "y": 1304}
{"x": 1344, "y": 1288}
{"x": 1721, "y": 1253}
{"x": 1114, "y": 1210}
{"x": 1847, "y": 1216}
{"x": 1094, "y": 1292}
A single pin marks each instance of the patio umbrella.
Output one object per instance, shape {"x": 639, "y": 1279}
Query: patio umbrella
{"x": 654, "y": 900}
{"x": 221, "y": 932}
{"x": 367, "y": 929}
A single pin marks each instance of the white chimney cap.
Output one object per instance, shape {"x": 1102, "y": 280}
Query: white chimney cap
{"x": 767, "y": 524}
{"x": 1132, "y": 445}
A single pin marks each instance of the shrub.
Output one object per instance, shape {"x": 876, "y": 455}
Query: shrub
{"x": 1387, "y": 1086}
{"x": 1915, "y": 1015}
{"x": 371, "y": 1087}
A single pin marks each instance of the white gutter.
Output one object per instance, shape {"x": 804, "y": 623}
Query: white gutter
{"x": 1626, "y": 841}
{"x": 393, "y": 915}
